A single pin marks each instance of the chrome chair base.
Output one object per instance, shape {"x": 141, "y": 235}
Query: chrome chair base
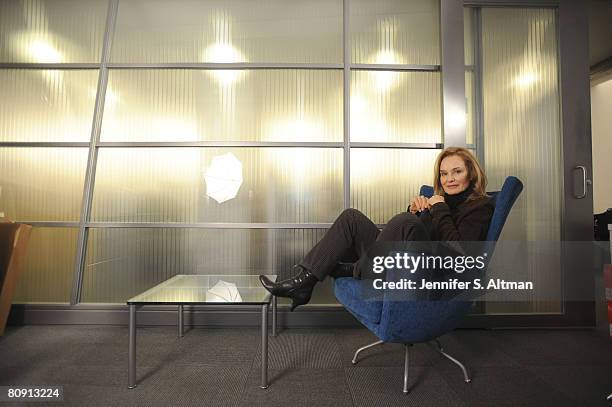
{"x": 354, "y": 361}
{"x": 407, "y": 346}
{"x": 406, "y": 359}
{"x": 466, "y": 377}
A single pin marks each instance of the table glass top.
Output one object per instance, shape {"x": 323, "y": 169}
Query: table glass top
{"x": 206, "y": 289}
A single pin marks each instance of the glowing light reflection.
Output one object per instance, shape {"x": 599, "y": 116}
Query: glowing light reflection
{"x": 456, "y": 118}
{"x": 526, "y": 80}
{"x": 43, "y": 52}
{"x": 224, "y": 53}
{"x": 299, "y": 160}
{"x": 385, "y": 81}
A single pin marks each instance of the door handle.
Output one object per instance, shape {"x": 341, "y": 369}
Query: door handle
{"x": 584, "y": 182}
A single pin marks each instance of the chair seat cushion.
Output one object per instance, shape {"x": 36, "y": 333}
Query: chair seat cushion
{"x": 359, "y": 298}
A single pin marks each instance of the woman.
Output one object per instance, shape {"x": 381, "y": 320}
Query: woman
{"x": 459, "y": 210}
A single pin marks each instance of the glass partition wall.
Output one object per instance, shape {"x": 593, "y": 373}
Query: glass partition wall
{"x": 50, "y": 53}
{"x": 146, "y": 138}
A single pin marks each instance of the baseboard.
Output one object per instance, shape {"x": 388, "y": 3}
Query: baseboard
{"x": 157, "y": 315}
{"x": 312, "y": 316}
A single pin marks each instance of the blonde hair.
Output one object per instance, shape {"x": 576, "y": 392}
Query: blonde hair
{"x": 476, "y": 175}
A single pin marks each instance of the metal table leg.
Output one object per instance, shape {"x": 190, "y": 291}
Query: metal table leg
{"x": 180, "y": 321}
{"x": 264, "y": 346}
{"x": 273, "y": 315}
{"x": 132, "y": 349}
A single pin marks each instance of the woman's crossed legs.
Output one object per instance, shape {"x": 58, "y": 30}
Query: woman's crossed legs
{"x": 351, "y": 235}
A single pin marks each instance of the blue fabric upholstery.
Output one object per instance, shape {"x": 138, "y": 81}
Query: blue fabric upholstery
{"x": 504, "y": 200}
{"x": 412, "y": 321}
{"x": 352, "y": 292}
{"x": 426, "y": 191}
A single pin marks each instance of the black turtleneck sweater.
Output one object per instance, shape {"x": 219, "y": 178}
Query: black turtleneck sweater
{"x": 459, "y": 219}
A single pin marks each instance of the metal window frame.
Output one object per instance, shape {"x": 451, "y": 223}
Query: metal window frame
{"x": 476, "y": 69}
{"x": 452, "y": 59}
{"x": 206, "y": 225}
{"x": 42, "y": 65}
{"x": 513, "y": 3}
{"x": 221, "y": 144}
{"x": 447, "y": 36}
{"x": 52, "y": 224}
{"x": 52, "y": 144}
{"x": 79, "y": 262}
{"x": 346, "y": 104}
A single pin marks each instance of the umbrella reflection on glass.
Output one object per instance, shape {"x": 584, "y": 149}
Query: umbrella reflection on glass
{"x": 223, "y": 177}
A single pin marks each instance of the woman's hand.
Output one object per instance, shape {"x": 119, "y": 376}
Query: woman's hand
{"x": 418, "y": 204}
{"x": 434, "y": 200}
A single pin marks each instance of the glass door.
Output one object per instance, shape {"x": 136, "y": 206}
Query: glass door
{"x": 527, "y": 117}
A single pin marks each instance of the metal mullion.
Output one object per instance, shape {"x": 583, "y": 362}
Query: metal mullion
{"x": 42, "y": 144}
{"x": 395, "y": 67}
{"x": 453, "y": 72}
{"x": 205, "y": 225}
{"x": 221, "y": 144}
{"x": 346, "y": 103}
{"x": 69, "y": 66}
{"x": 51, "y": 224}
{"x": 214, "y": 65}
{"x": 79, "y": 264}
{"x": 478, "y": 90}
{"x": 513, "y": 3}
{"x": 575, "y": 149}
{"x": 397, "y": 145}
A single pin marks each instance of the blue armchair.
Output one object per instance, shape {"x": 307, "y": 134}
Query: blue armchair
{"x": 413, "y": 321}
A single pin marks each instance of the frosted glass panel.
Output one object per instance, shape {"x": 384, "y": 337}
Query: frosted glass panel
{"x": 46, "y": 105}
{"x": 520, "y": 65}
{"x": 228, "y": 31}
{"x": 383, "y": 181}
{"x": 395, "y": 107}
{"x": 52, "y": 31}
{"x": 48, "y": 269}
{"x": 292, "y": 185}
{"x": 251, "y": 105}
{"x": 42, "y": 184}
{"x": 395, "y": 32}
{"x": 121, "y": 263}
{"x": 468, "y": 34}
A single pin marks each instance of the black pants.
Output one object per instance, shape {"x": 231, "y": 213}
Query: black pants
{"x": 352, "y": 234}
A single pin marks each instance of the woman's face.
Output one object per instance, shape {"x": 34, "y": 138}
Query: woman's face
{"x": 454, "y": 175}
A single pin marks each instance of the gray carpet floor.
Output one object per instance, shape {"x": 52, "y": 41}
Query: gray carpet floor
{"x": 307, "y": 367}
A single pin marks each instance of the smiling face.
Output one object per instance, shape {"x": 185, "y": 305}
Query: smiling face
{"x": 454, "y": 175}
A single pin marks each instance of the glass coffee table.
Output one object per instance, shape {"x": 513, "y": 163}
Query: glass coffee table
{"x": 217, "y": 290}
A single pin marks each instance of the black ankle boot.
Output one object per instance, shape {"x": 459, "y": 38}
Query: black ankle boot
{"x": 298, "y": 288}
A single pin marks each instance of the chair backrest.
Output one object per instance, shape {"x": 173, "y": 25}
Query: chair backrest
{"x": 503, "y": 201}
